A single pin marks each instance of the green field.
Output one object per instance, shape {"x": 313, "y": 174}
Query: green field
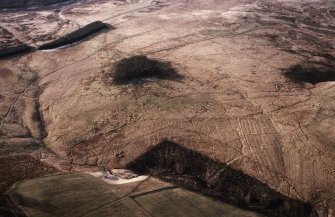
{"x": 85, "y": 195}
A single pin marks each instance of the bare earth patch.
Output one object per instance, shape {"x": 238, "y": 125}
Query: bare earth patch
{"x": 256, "y": 97}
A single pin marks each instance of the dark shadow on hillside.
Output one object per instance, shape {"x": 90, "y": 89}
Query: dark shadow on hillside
{"x": 140, "y": 68}
{"x": 17, "y": 50}
{"x": 192, "y": 170}
{"x": 311, "y": 73}
{"x": 27, "y": 3}
{"x": 78, "y": 35}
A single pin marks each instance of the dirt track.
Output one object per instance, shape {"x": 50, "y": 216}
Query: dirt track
{"x": 237, "y": 102}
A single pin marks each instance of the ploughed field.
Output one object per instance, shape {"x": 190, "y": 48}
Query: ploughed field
{"x": 226, "y": 108}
